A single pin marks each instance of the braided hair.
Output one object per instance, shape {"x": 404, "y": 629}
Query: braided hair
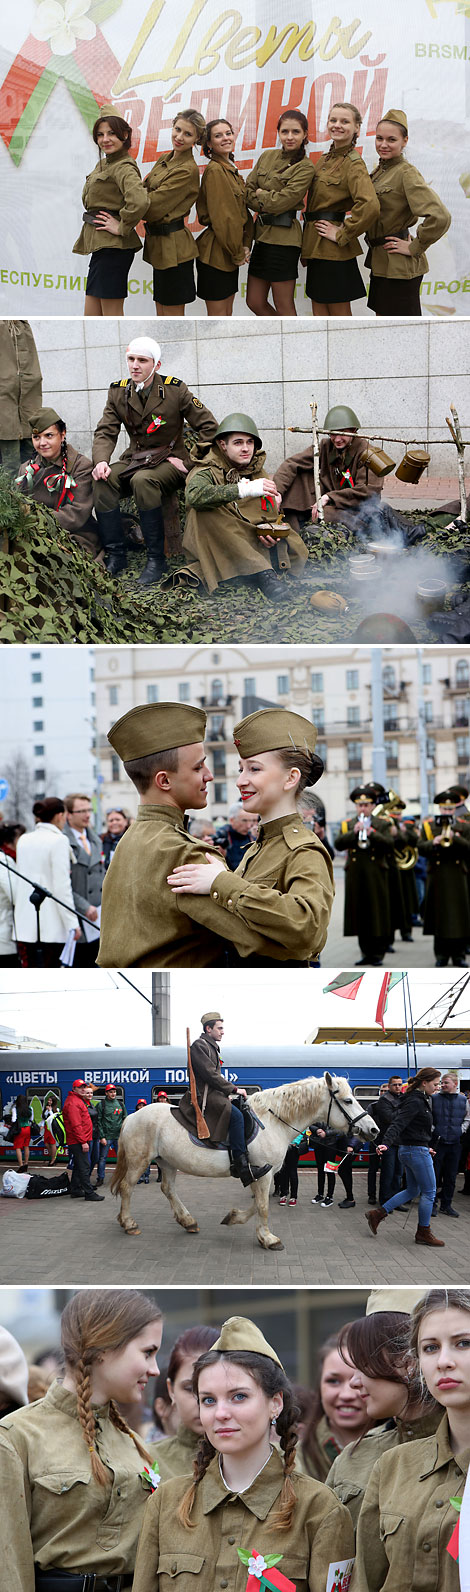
{"x": 270, "y": 1377}
{"x": 96, "y": 1320}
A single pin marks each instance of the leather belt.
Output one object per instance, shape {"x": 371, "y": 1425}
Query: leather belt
{"x": 378, "y": 242}
{"x": 90, "y": 215}
{"x": 79, "y": 1581}
{"x": 284, "y": 220}
{"x": 162, "y": 229}
{"x": 325, "y": 215}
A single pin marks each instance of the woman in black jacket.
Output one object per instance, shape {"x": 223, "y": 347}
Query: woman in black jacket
{"x": 412, "y": 1128}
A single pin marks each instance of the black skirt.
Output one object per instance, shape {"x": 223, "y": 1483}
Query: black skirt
{"x": 175, "y": 285}
{"x": 334, "y": 281}
{"x": 394, "y": 296}
{"x": 108, "y": 272}
{"x": 214, "y": 284}
{"x": 274, "y": 262}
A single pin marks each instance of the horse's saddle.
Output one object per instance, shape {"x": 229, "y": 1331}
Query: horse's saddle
{"x": 252, "y": 1127}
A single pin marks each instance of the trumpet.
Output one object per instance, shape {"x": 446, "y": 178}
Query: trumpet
{"x": 409, "y": 856}
{"x": 363, "y": 840}
{"x": 446, "y": 826}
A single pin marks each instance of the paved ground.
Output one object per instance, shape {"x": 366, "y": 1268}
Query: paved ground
{"x": 341, "y": 952}
{"x": 74, "y": 1243}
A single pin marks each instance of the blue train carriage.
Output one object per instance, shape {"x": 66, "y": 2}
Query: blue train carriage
{"x": 142, "y": 1074}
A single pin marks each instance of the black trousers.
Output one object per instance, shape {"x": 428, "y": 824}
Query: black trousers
{"x": 288, "y": 1175}
{"x": 446, "y": 1166}
{"x": 344, "y": 1172}
{"x": 81, "y": 1171}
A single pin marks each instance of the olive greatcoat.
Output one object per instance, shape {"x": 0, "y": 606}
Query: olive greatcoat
{"x": 205, "y": 1557}
{"x": 342, "y": 183}
{"x": 173, "y": 187}
{"x": 220, "y": 541}
{"x": 74, "y": 514}
{"x": 295, "y": 480}
{"x": 114, "y": 185}
{"x": 283, "y": 887}
{"x": 407, "y": 1518}
{"x": 367, "y": 893}
{"x": 155, "y": 426}
{"x": 283, "y": 184}
{"x": 222, "y": 209}
{"x": 447, "y": 903}
{"x": 143, "y": 924}
{"x": 53, "y": 1513}
{"x": 350, "y": 1472}
{"x": 20, "y": 380}
{"x": 404, "y": 195}
{"x": 213, "y": 1092}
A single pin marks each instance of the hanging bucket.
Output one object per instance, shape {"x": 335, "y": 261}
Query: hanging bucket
{"x": 377, "y": 460}
{"x": 411, "y": 467}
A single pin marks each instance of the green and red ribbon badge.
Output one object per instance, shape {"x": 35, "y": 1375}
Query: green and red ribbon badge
{"x": 150, "y": 1477}
{"x": 156, "y": 421}
{"x": 453, "y": 1543}
{"x": 262, "y": 1576}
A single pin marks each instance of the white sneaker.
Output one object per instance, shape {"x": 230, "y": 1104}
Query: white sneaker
{"x": 327, "y": 1201}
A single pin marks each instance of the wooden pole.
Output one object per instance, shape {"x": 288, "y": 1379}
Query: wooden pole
{"x": 316, "y": 462}
{"x": 201, "y": 1124}
{"x": 456, "y": 434}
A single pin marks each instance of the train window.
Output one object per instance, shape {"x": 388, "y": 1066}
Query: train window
{"x": 367, "y": 1091}
{"x": 99, "y": 1092}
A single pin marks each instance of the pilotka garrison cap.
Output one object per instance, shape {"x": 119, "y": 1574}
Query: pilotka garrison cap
{"x": 239, "y": 1333}
{"x": 395, "y": 116}
{"x": 43, "y": 419}
{"x": 272, "y": 729}
{"x": 211, "y": 1017}
{"x": 156, "y": 727}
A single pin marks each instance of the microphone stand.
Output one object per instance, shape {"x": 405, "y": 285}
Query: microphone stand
{"x": 38, "y": 895}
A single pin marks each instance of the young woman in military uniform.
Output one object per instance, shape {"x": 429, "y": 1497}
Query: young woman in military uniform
{"x": 246, "y": 1499}
{"x": 283, "y": 886}
{"x": 397, "y": 261}
{"x": 337, "y": 1414}
{"x": 179, "y": 1452}
{"x": 397, "y": 1406}
{"x": 330, "y": 241}
{"x": 222, "y": 210}
{"x": 408, "y": 1531}
{"x": 229, "y": 498}
{"x": 173, "y": 187}
{"x": 115, "y": 200}
{"x": 275, "y": 190}
{"x": 61, "y": 478}
{"x": 72, "y": 1471}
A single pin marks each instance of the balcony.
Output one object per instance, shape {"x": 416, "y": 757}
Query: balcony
{"x": 217, "y": 704}
{"x": 456, "y": 688}
{"x": 393, "y": 692}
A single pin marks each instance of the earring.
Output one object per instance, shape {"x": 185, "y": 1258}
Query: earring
{"x": 273, "y": 1420}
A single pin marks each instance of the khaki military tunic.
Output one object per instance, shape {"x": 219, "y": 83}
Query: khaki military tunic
{"x": 220, "y": 540}
{"x": 74, "y": 514}
{"x": 175, "y": 1455}
{"x": 283, "y": 887}
{"x": 342, "y": 184}
{"x": 295, "y": 480}
{"x": 222, "y": 209}
{"x": 206, "y": 1557}
{"x": 143, "y": 924}
{"x": 350, "y": 1472}
{"x": 404, "y": 196}
{"x": 20, "y": 380}
{"x": 114, "y": 185}
{"x": 173, "y": 187}
{"x": 53, "y": 1513}
{"x": 327, "y": 1451}
{"x": 407, "y": 1518}
{"x": 283, "y": 184}
{"x": 154, "y": 426}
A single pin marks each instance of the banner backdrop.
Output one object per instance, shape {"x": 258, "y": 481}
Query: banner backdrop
{"x": 61, "y": 59}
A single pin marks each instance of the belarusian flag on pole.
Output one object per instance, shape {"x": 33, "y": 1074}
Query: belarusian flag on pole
{"x": 387, "y": 984}
{"x": 344, "y": 985}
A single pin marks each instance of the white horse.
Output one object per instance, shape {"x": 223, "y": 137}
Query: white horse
{"x": 154, "y": 1133}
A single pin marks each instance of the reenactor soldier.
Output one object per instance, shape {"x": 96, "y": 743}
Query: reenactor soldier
{"x": 60, "y": 477}
{"x": 404, "y": 895}
{"x": 369, "y": 843}
{"x": 345, "y": 481}
{"x": 152, "y": 408}
{"x": 218, "y": 1101}
{"x": 20, "y": 392}
{"x": 445, "y": 842}
{"x": 143, "y": 923}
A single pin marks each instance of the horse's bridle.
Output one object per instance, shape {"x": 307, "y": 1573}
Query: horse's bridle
{"x": 334, "y": 1094}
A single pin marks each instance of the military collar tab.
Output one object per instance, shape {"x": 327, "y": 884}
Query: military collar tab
{"x": 276, "y": 826}
{"x": 152, "y": 810}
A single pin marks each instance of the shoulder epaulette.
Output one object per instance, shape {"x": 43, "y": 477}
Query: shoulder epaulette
{"x": 171, "y": 381}
{"x": 354, "y": 154}
{"x": 126, "y": 382}
{"x": 344, "y": 826}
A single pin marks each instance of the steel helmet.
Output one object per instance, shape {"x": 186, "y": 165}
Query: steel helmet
{"x": 340, "y": 418}
{"x": 238, "y": 422}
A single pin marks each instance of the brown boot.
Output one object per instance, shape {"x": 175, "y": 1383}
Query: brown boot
{"x": 374, "y": 1218}
{"x": 423, "y": 1235}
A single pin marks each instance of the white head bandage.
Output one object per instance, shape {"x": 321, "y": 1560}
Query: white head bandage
{"x": 150, "y": 349}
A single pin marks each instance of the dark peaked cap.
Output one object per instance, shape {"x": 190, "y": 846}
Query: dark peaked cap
{"x": 156, "y": 727}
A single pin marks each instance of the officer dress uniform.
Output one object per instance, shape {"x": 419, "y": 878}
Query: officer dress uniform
{"x": 408, "y": 1517}
{"x": 54, "y": 1514}
{"x": 114, "y": 185}
{"x": 403, "y": 196}
{"x": 446, "y": 903}
{"x": 367, "y": 895}
{"x": 342, "y": 184}
{"x": 172, "y": 186}
{"x": 222, "y": 210}
{"x": 282, "y": 183}
{"x": 347, "y": 481}
{"x": 220, "y": 541}
{"x": 351, "y": 1471}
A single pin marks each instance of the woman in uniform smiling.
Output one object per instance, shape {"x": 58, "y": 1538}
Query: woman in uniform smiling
{"x": 115, "y": 200}
{"x": 173, "y": 187}
{"x": 222, "y": 211}
{"x": 398, "y": 261}
{"x": 275, "y": 190}
{"x": 341, "y": 204}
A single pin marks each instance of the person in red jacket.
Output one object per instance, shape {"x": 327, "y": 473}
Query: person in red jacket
{"x": 79, "y": 1133}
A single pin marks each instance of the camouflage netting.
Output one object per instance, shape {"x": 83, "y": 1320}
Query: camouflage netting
{"x": 52, "y": 592}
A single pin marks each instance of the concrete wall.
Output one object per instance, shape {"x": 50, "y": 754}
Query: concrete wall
{"x": 400, "y": 376}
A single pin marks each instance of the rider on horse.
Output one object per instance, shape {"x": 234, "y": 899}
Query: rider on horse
{"x": 218, "y": 1101}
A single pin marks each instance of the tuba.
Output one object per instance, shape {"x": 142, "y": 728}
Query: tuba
{"x": 409, "y": 856}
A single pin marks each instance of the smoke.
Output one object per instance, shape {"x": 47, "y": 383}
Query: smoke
{"x": 395, "y": 582}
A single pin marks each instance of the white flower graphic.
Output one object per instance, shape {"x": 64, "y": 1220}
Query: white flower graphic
{"x": 61, "y": 25}
{"x": 257, "y": 1565}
